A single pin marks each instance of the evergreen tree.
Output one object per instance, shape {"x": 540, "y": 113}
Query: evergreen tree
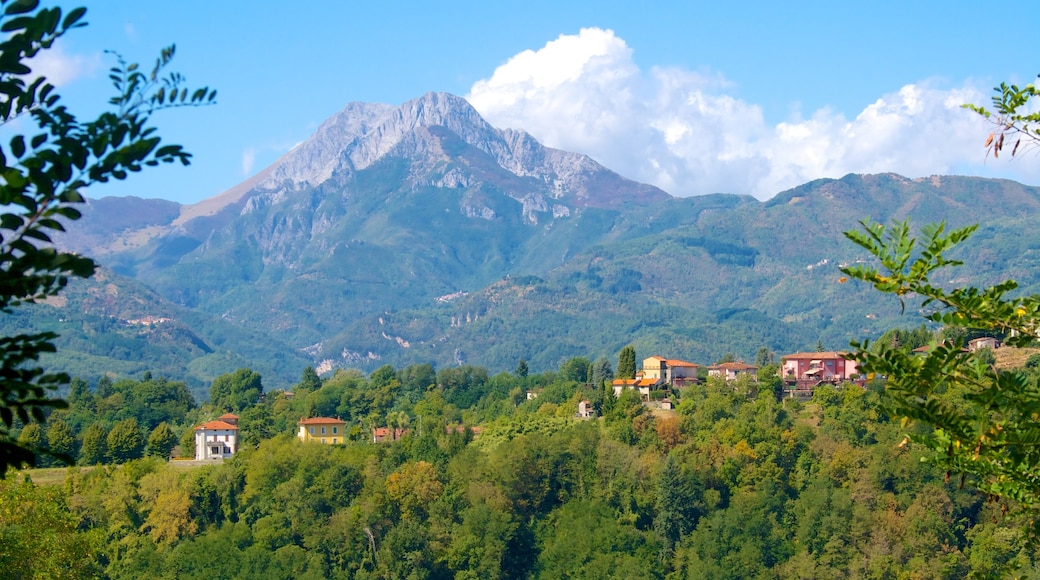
{"x": 78, "y": 390}
{"x": 667, "y": 519}
{"x": 626, "y": 368}
{"x": 162, "y": 441}
{"x": 819, "y": 345}
{"x": 601, "y": 372}
{"x": 94, "y": 448}
{"x": 125, "y": 441}
{"x": 104, "y": 387}
{"x": 521, "y": 369}
{"x": 309, "y": 382}
{"x": 763, "y": 357}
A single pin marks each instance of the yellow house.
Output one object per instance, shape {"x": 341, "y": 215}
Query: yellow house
{"x": 322, "y": 430}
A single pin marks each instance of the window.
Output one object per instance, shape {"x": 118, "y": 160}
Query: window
{"x": 323, "y": 440}
{"x": 312, "y": 430}
{"x": 334, "y": 431}
{"x": 323, "y": 430}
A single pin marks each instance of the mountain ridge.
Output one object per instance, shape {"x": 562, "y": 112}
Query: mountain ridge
{"x": 420, "y": 233}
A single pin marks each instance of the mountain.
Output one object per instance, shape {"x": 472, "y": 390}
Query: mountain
{"x": 420, "y": 233}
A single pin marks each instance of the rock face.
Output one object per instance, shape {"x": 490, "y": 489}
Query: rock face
{"x": 362, "y": 134}
{"x": 383, "y": 208}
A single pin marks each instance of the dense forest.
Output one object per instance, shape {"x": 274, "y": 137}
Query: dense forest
{"x": 487, "y": 483}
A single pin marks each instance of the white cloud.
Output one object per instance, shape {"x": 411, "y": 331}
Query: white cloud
{"x": 681, "y": 131}
{"x": 60, "y": 68}
{"x": 248, "y": 160}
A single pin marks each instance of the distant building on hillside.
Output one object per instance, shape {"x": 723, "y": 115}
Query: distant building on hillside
{"x": 217, "y": 439}
{"x": 585, "y": 410}
{"x": 674, "y": 372}
{"x": 803, "y": 371}
{"x": 322, "y": 430}
{"x": 982, "y": 342}
{"x": 731, "y": 370}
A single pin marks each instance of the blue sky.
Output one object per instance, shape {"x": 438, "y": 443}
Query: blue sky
{"x": 695, "y": 97}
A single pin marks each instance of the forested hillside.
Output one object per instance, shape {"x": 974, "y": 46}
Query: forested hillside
{"x": 696, "y": 277}
{"x": 485, "y": 483}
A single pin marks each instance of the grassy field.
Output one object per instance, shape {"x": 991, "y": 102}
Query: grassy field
{"x": 48, "y": 475}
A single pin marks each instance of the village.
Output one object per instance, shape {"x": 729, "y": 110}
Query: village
{"x": 800, "y": 372}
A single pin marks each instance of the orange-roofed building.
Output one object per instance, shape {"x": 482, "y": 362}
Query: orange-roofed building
{"x": 216, "y": 439}
{"x": 229, "y": 418}
{"x": 675, "y": 372}
{"x": 322, "y": 430}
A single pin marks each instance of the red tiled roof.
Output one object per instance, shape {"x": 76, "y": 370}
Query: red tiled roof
{"x": 322, "y": 421}
{"x": 621, "y": 382}
{"x": 228, "y": 416}
{"x": 647, "y": 382}
{"x": 672, "y": 362}
{"x": 216, "y": 426}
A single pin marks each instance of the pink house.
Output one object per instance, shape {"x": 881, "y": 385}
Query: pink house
{"x": 803, "y": 371}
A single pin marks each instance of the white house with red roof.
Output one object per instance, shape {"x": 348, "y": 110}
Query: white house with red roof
{"x": 217, "y": 439}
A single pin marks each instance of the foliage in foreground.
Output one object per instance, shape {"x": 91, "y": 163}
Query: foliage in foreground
{"x": 42, "y": 177}
{"x": 984, "y": 422}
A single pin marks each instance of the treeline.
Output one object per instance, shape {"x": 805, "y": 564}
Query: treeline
{"x": 732, "y": 484}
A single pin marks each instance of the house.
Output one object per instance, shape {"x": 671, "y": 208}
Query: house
{"x": 640, "y": 383}
{"x": 731, "y": 370}
{"x": 674, "y": 372}
{"x": 977, "y": 344}
{"x": 585, "y": 410}
{"x": 384, "y": 433}
{"x": 322, "y": 429}
{"x": 217, "y": 439}
{"x": 803, "y": 371}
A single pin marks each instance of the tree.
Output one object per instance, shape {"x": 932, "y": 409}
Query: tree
{"x": 576, "y": 369}
{"x": 983, "y": 420}
{"x": 125, "y": 441}
{"x": 309, "y": 381}
{"x": 1008, "y": 100}
{"x": 626, "y": 366}
{"x": 94, "y": 448}
{"x": 521, "y": 369}
{"x": 763, "y": 357}
{"x": 235, "y": 391}
{"x": 31, "y": 437}
{"x": 188, "y": 442}
{"x": 61, "y": 439}
{"x": 162, "y": 441}
{"x": 43, "y": 175}
{"x": 601, "y": 372}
